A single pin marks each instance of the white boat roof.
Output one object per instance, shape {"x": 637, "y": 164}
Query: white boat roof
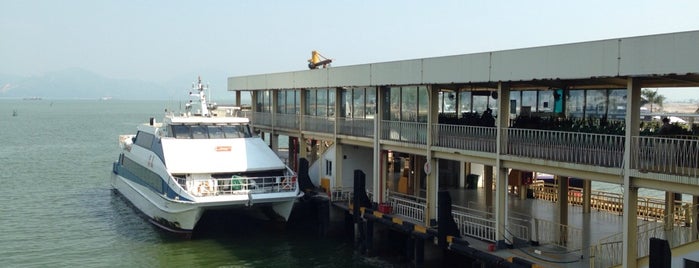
{"x": 205, "y": 120}
{"x": 219, "y": 155}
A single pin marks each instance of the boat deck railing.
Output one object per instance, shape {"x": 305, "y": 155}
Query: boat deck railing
{"x": 239, "y": 185}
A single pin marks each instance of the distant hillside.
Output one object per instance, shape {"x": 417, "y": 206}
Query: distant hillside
{"x": 80, "y": 84}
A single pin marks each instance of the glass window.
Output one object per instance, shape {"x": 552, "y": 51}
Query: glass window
{"x": 144, "y": 140}
{"x": 281, "y": 101}
{"x": 423, "y": 98}
{"x": 596, "y": 103}
{"x": 465, "y": 100}
{"x": 311, "y": 102}
{"x": 322, "y": 102}
{"x": 480, "y": 103}
{"x": 575, "y": 103}
{"x": 370, "y": 107}
{"x": 448, "y": 102}
{"x": 358, "y": 108}
{"x": 232, "y": 132}
{"x": 515, "y": 101}
{"x": 199, "y": 132}
{"x": 215, "y": 132}
{"x": 394, "y": 97}
{"x": 546, "y": 101}
{"x": 493, "y": 104}
{"x": 409, "y": 104}
{"x": 297, "y": 102}
{"x": 244, "y": 131}
{"x": 528, "y": 101}
{"x": 331, "y": 102}
{"x": 346, "y": 105}
{"x": 617, "y": 103}
{"x": 180, "y": 131}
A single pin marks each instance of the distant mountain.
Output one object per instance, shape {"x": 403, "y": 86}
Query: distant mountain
{"x": 80, "y": 84}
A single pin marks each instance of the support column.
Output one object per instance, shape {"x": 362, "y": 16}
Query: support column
{"x": 379, "y": 164}
{"x": 237, "y": 98}
{"x": 488, "y": 185}
{"x": 668, "y": 217}
{"x": 694, "y": 233}
{"x": 337, "y": 168}
{"x": 432, "y": 188}
{"x": 562, "y": 199}
{"x": 432, "y": 178}
{"x": 465, "y": 170}
{"x": 502, "y": 124}
{"x": 630, "y": 234}
{"x": 587, "y": 195}
{"x": 274, "y": 142}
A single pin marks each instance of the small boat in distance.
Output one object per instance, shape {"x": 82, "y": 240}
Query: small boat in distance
{"x": 191, "y": 163}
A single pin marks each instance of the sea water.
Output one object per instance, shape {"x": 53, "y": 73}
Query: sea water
{"x": 58, "y": 208}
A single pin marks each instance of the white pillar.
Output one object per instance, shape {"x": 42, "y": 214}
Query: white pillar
{"x": 379, "y": 181}
{"x": 630, "y": 234}
{"x": 501, "y": 191}
{"x": 432, "y": 178}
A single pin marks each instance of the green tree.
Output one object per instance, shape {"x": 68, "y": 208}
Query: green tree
{"x": 652, "y": 97}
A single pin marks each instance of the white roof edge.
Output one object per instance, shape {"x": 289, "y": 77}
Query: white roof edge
{"x": 673, "y": 53}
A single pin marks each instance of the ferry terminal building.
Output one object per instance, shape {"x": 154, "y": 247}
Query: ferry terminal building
{"x": 418, "y": 126}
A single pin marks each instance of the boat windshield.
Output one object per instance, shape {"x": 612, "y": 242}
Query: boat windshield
{"x": 210, "y": 131}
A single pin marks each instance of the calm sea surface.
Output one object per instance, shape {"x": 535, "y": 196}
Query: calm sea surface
{"x": 58, "y": 208}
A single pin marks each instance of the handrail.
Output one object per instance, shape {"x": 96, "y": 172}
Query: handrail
{"x": 665, "y": 155}
{"x": 321, "y": 124}
{"x": 608, "y": 251}
{"x": 359, "y": 127}
{"x": 407, "y": 133}
{"x": 571, "y": 147}
{"x": 239, "y": 185}
{"x": 411, "y": 207}
{"x": 649, "y": 208}
{"x": 472, "y": 138}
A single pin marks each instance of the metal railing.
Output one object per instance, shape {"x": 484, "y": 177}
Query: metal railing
{"x": 409, "y": 133}
{"x": 411, "y": 207}
{"x": 609, "y": 250}
{"x": 571, "y": 147}
{"x": 474, "y": 223}
{"x": 472, "y": 138}
{"x": 261, "y": 119}
{"x": 290, "y": 121}
{"x": 239, "y": 185}
{"x": 648, "y": 208}
{"x": 666, "y": 155}
{"x": 360, "y": 127}
{"x": 553, "y": 233}
{"x": 321, "y": 124}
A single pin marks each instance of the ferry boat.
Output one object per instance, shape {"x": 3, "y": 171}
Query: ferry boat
{"x": 191, "y": 163}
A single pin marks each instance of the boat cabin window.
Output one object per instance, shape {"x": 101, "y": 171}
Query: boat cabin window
{"x": 215, "y": 132}
{"x": 180, "y": 131}
{"x": 144, "y": 139}
{"x": 210, "y": 132}
{"x": 199, "y": 132}
{"x": 238, "y": 131}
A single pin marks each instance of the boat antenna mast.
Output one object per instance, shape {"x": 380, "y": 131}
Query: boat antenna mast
{"x": 200, "y": 88}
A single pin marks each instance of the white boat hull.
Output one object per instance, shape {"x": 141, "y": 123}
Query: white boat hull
{"x": 182, "y": 216}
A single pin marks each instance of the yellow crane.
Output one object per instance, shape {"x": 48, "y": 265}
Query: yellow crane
{"x": 316, "y": 61}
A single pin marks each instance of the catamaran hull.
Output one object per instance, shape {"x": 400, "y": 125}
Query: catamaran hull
{"x": 182, "y": 217}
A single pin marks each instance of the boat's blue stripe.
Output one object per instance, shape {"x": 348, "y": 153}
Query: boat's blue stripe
{"x": 121, "y": 170}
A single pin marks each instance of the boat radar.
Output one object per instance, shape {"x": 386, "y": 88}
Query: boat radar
{"x": 199, "y": 87}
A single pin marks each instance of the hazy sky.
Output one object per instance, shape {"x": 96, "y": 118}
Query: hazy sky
{"x": 161, "y": 40}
